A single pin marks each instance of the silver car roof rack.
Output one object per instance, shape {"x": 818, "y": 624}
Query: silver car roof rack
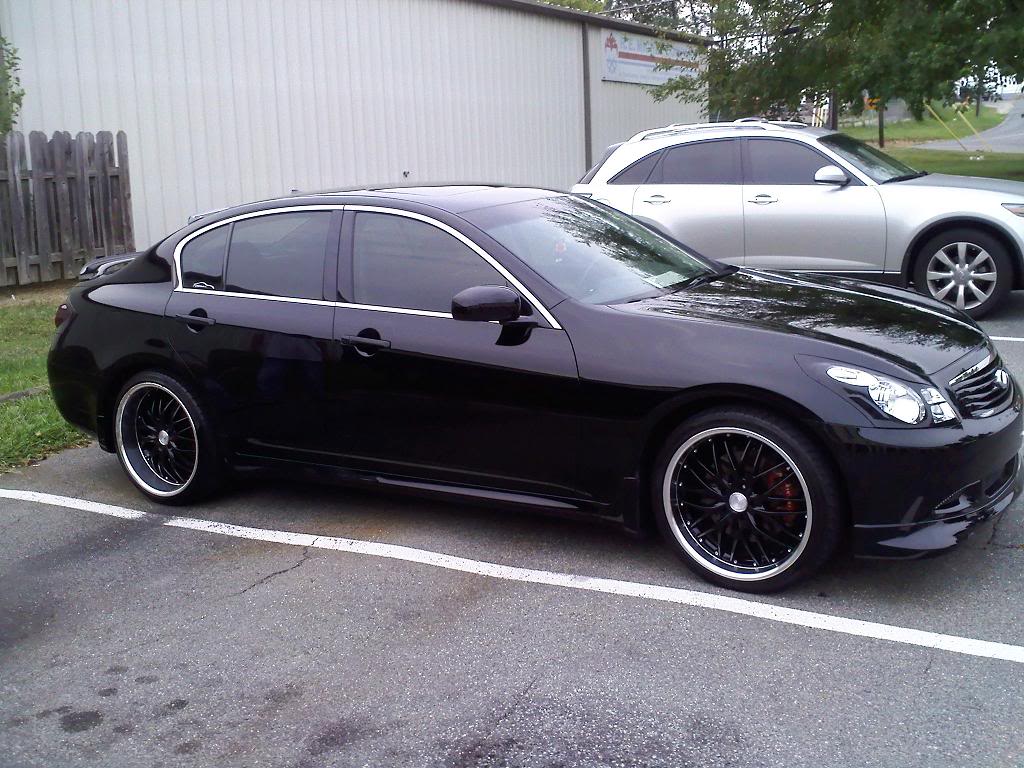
{"x": 756, "y": 123}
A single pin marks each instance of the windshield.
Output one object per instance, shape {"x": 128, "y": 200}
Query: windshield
{"x": 874, "y": 162}
{"x": 588, "y": 251}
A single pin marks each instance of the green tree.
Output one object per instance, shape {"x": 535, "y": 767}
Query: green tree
{"x": 768, "y": 55}
{"x": 11, "y": 93}
{"x": 592, "y": 6}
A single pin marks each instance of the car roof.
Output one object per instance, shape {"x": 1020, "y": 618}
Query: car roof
{"x": 452, "y": 198}
{"x": 647, "y": 142}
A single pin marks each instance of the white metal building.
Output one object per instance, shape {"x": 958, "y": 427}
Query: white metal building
{"x": 225, "y": 101}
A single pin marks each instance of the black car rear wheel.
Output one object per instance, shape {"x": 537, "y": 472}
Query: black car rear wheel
{"x": 747, "y": 500}
{"x": 164, "y": 439}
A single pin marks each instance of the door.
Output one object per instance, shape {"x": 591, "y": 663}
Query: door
{"x": 695, "y": 195}
{"x": 251, "y": 322}
{"x": 793, "y": 223}
{"x": 419, "y": 395}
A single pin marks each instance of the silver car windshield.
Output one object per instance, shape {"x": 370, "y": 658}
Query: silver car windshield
{"x": 589, "y": 251}
{"x": 874, "y": 162}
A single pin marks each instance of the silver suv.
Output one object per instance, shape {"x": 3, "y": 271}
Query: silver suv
{"x": 778, "y": 195}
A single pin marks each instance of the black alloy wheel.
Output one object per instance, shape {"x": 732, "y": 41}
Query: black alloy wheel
{"x": 163, "y": 439}
{"x": 748, "y": 505}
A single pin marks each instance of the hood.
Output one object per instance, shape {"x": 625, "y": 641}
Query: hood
{"x": 909, "y": 330}
{"x": 1015, "y": 189}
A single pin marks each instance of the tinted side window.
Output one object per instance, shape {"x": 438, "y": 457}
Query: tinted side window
{"x": 704, "y": 162}
{"x": 638, "y": 172}
{"x": 279, "y": 255}
{"x": 402, "y": 262}
{"x": 782, "y": 162}
{"x": 202, "y": 260}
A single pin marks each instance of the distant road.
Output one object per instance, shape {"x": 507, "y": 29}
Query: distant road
{"x": 1008, "y": 136}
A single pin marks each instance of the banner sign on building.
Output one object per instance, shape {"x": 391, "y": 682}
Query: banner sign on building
{"x": 640, "y": 59}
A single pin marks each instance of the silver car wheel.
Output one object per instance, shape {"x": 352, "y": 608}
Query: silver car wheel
{"x": 737, "y": 503}
{"x": 962, "y": 274}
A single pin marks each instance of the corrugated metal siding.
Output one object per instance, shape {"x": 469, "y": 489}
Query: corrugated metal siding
{"x": 225, "y": 101}
{"x": 619, "y": 110}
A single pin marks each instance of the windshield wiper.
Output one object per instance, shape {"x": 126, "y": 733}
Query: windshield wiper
{"x": 906, "y": 177}
{"x": 704, "y": 279}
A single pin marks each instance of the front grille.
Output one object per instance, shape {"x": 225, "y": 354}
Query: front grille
{"x": 984, "y": 389}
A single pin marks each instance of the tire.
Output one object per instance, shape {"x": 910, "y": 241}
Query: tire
{"x": 165, "y": 441}
{"x": 976, "y": 262}
{"x": 781, "y": 523}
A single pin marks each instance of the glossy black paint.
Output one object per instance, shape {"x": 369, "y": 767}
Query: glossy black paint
{"x": 565, "y": 419}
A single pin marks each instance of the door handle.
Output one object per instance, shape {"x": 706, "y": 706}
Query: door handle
{"x": 193, "y": 319}
{"x": 763, "y": 199}
{"x": 365, "y": 341}
{"x": 657, "y": 200}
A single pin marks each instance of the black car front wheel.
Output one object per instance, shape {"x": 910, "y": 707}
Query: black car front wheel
{"x": 747, "y": 500}
{"x": 164, "y": 439}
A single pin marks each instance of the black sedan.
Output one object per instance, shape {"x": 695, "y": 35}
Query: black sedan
{"x": 524, "y": 347}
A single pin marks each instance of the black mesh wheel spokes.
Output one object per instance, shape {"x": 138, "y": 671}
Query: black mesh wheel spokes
{"x": 738, "y": 503}
{"x": 157, "y": 438}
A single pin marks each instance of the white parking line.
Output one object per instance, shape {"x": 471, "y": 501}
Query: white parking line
{"x": 1006, "y": 338}
{"x": 907, "y": 636}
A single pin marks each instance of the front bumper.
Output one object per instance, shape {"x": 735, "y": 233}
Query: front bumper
{"x": 913, "y": 540}
{"x": 914, "y": 492}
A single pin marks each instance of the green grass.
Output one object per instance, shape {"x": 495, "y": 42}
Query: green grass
{"x": 997, "y": 165}
{"x": 25, "y": 334}
{"x": 30, "y": 428}
{"x": 928, "y": 129}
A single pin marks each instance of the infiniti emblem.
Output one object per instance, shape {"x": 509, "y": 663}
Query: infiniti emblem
{"x": 1002, "y": 378}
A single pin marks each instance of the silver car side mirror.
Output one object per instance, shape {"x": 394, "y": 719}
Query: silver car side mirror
{"x": 831, "y": 174}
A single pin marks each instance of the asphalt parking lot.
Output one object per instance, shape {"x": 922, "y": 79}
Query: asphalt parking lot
{"x": 129, "y": 639}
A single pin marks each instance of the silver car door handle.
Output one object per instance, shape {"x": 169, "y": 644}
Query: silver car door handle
{"x": 763, "y": 199}
{"x": 657, "y": 200}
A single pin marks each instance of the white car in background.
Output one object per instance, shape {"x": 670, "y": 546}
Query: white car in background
{"x": 784, "y": 196}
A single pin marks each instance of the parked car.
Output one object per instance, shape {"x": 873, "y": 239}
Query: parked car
{"x": 521, "y": 346}
{"x": 779, "y": 195}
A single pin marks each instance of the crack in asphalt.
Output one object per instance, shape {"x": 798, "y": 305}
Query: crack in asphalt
{"x": 275, "y": 574}
{"x": 512, "y": 708}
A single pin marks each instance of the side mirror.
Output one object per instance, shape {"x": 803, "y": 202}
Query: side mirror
{"x": 831, "y": 174}
{"x": 487, "y": 303}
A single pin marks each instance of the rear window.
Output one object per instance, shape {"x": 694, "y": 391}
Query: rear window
{"x": 704, "y": 162}
{"x": 279, "y": 255}
{"x": 202, "y": 260}
{"x": 638, "y": 172}
{"x": 589, "y": 175}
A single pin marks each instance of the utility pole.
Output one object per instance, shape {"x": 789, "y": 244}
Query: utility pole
{"x": 833, "y": 110}
{"x": 881, "y": 123}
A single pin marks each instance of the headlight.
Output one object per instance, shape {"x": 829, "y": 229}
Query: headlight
{"x": 1015, "y": 208}
{"x": 891, "y": 397}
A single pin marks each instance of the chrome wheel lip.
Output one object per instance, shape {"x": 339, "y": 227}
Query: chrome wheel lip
{"x": 119, "y": 439}
{"x": 686, "y": 544}
{"x": 962, "y": 275}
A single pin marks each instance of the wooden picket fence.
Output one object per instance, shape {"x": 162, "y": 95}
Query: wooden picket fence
{"x": 63, "y": 205}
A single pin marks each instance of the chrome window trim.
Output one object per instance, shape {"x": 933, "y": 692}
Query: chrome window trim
{"x": 180, "y": 288}
{"x": 540, "y": 308}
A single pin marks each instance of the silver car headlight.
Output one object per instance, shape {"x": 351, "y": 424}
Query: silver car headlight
{"x": 892, "y": 398}
{"x": 1015, "y": 208}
